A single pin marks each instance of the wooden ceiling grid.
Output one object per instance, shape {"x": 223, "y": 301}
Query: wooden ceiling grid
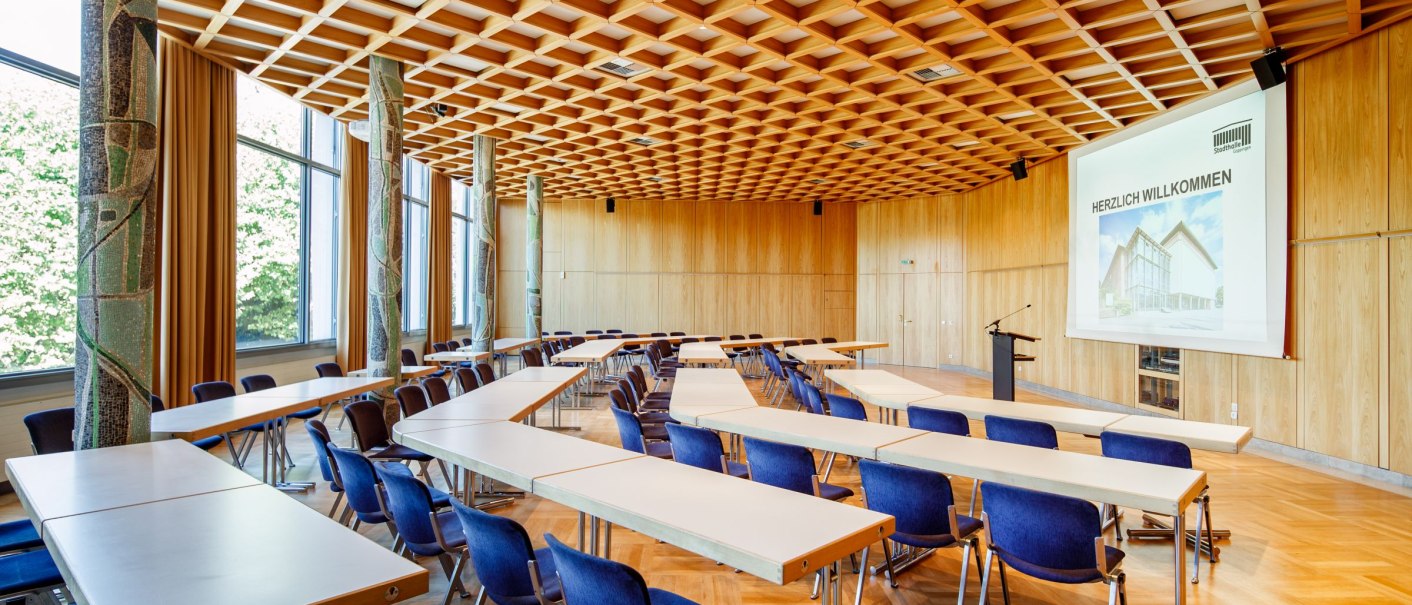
{"x": 769, "y": 100}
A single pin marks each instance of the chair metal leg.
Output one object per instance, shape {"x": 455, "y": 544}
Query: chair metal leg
{"x": 887, "y": 558}
{"x": 975, "y": 487}
{"x": 1210, "y": 529}
{"x": 862, "y": 577}
{"x": 1113, "y": 592}
{"x": 481, "y": 596}
{"x": 985, "y": 577}
{"x": 1122, "y": 589}
{"x": 965, "y": 562}
{"x": 336, "y": 501}
{"x": 1004, "y": 584}
{"x": 1195, "y": 552}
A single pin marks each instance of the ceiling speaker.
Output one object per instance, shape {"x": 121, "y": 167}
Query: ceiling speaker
{"x": 1269, "y": 68}
{"x": 612, "y": 205}
{"x": 1017, "y": 168}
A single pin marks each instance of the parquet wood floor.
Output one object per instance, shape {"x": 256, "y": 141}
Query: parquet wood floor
{"x": 1300, "y": 535}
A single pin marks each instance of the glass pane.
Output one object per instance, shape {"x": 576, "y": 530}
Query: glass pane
{"x": 47, "y": 32}
{"x": 39, "y": 184}
{"x": 325, "y": 139}
{"x": 268, "y": 116}
{"x": 459, "y": 231}
{"x": 1159, "y": 392}
{"x": 323, "y": 255}
{"x": 415, "y": 265}
{"x": 266, "y": 249}
{"x": 414, "y": 179}
{"x": 460, "y": 199}
{"x": 1160, "y": 359}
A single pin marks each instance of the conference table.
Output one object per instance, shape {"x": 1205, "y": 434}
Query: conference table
{"x": 409, "y": 373}
{"x": 456, "y": 356}
{"x": 164, "y": 522}
{"x": 775, "y": 534}
{"x": 1158, "y": 489}
{"x": 703, "y": 354}
{"x": 594, "y": 354}
{"x": 231, "y": 414}
{"x": 509, "y": 398}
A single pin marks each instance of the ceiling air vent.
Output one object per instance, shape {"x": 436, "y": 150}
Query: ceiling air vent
{"x": 858, "y": 144}
{"x": 656, "y": 179}
{"x": 644, "y": 141}
{"x": 932, "y": 74}
{"x": 622, "y": 67}
{"x": 817, "y": 181}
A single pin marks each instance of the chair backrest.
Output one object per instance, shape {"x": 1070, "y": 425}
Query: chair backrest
{"x": 938, "y": 421}
{"x": 621, "y": 400}
{"x": 690, "y": 340}
{"x": 677, "y": 334}
{"x": 216, "y": 389}
{"x": 258, "y": 382}
{"x": 409, "y": 504}
{"x": 368, "y": 424}
{"x": 51, "y": 431}
{"x": 360, "y": 484}
{"x": 500, "y": 551}
{"x": 593, "y": 331}
{"x": 466, "y": 342}
{"x": 1022, "y": 432}
{"x": 1048, "y": 530}
{"x": 813, "y": 399}
{"x": 696, "y": 447}
{"x": 412, "y": 399}
{"x": 329, "y": 369}
{"x": 318, "y": 433}
{"x": 917, "y": 498}
{"x": 615, "y": 331}
{"x": 466, "y": 377}
{"x": 756, "y": 336}
{"x": 789, "y": 343}
{"x": 1151, "y": 450}
{"x": 829, "y": 339}
{"x": 436, "y": 390}
{"x": 808, "y": 341}
{"x": 712, "y": 339}
{"x": 782, "y": 465}
{"x": 659, "y": 334}
{"x": 629, "y": 430}
{"x": 439, "y": 347}
{"x": 532, "y": 357}
{"x": 485, "y": 373}
{"x": 575, "y": 341}
{"x": 846, "y": 407}
{"x": 156, "y": 403}
{"x": 563, "y": 333}
{"x": 589, "y": 579}
{"x": 409, "y": 358}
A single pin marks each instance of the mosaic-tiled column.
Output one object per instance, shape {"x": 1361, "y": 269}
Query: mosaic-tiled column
{"x": 117, "y": 222}
{"x": 534, "y": 254}
{"x": 385, "y": 227}
{"x": 483, "y": 249}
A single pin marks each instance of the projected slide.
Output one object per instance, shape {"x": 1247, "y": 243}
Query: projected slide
{"x": 1178, "y": 227}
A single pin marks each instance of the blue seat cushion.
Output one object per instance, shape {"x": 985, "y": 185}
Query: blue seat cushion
{"x": 28, "y": 571}
{"x": 829, "y": 491}
{"x": 19, "y": 535}
{"x": 659, "y": 449}
{"x": 312, "y": 412}
{"x": 654, "y": 417}
{"x": 439, "y": 499}
{"x": 967, "y": 525}
{"x": 662, "y": 597}
{"x": 398, "y": 451}
{"x": 736, "y": 469}
{"x": 451, "y": 532}
{"x": 209, "y": 443}
{"x": 1062, "y": 576}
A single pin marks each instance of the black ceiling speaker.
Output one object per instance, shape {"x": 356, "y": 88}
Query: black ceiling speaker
{"x": 612, "y": 205}
{"x": 818, "y": 207}
{"x": 1017, "y": 168}
{"x": 1270, "y": 68}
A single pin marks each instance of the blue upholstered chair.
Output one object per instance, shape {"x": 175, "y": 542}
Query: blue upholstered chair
{"x": 938, "y": 421}
{"x": 1165, "y": 452}
{"x": 1021, "y": 432}
{"x": 29, "y": 573}
{"x": 323, "y": 444}
{"x": 375, "y": 442}
{"x": 590, "y": 580}
{"x": 412, "y": 399}
{"x": 19, "y": 535}
{"x": 51, "y": 431}
{"x": 921, "y": 502}
{"x": 207, "y": 444}
{"x": 1050, "y": 537}
{"x": 702, "y": 448}
{"x": 467, "y": 380}
{"x": 360, "y": 485}
{"x": 846, "y": 407}
{"x": 220, "y": 389}
{"x": 425, "y": 532}
{"x": 436, "y": 390}
{"x": 788, "y": 467}
{"x": 511, "y": 571}
{"x": 264, "y": 382}
{"x": 813, "y": 399}
{"x": 630, "y": 432}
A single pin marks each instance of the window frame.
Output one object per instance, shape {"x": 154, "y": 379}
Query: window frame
{"x": 408, "y": 200}
{"x": 466, "y": 234}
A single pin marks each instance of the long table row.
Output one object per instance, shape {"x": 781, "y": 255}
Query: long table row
{"x": 716, "y": 400}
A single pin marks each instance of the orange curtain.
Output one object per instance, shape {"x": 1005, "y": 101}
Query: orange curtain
{"x": 439, "y": 261}
{"x": 353, "y": 257}
{"x": 196, "y": 340}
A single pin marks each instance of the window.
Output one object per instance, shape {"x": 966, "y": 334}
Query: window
{"x": 416, "y": 182}
{"x": 460, "y": 254}
{"x": 39, "y": 49}
{"x": 286, "y": 240}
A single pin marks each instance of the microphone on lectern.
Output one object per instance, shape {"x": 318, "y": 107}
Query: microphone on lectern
{"x": 996, "y": 323}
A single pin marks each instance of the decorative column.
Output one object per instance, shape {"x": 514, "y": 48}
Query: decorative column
{"x": 483, "y": 252}
{"x": 385, "y": 227}
{"x": 117, "y": 223}
{"x": 534, "y": 254}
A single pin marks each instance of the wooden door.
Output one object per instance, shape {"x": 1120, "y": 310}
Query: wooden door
{"x": 921, "y": 319}
{"x": 891, "y": 309}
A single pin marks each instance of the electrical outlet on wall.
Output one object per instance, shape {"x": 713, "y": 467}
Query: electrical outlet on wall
{"x": 1235, "y": 410}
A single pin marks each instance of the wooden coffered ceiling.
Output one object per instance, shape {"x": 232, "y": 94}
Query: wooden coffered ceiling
{"x": 761, "y": 99}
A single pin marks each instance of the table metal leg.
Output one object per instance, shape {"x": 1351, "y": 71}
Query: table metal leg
{"x": 1179, "y": 561}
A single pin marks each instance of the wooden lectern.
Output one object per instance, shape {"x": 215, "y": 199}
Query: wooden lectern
{"x": 1003, "y": 358}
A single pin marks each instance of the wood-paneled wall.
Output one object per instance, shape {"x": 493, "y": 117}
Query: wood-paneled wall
{"x": 696, "y": 267}
{"x": 1346, "y": 389}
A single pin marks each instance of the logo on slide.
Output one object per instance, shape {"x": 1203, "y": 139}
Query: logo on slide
{"x": 1231, "y": 137}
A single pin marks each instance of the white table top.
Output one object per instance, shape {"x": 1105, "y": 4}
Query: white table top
{"x": 218, "y": 416}
{"x": 593, "y": 351}
{"x": 457, "y": 355}
{"x": 894, "y": 396}
{"x": 1069, "y": 420}
{"x": 416, "y": 425}
{"x": 506, "y": 345}
{"x": 854, "y": 345}
{"x": 500, "y": 400}
{"x": 545, "y": 374}
{"x": 327, "y": 390}
{"x": 1209, "y": 436}
{"x": 408, "y": 372}
{"x": 768, "y": 532}
{"x": 510, "y": 452}
{"x": 706, "y": 376}
{"x": 239, "y": 546}
{"x": 818, "y": 355}
{"x": 74, "y": 483}
{"x": 855, "y": 378}
{"x": 709, "y": 353}
{"x": 1149, "y": 487}
{"x": 851, "y": 437}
